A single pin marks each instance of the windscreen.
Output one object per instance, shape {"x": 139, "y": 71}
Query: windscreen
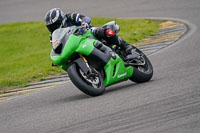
{"x": 60, "y": 37}
{"x": 61, "y": 32}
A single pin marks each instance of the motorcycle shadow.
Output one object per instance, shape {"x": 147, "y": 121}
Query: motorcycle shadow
{"x": 124, "y": 86}
{"x": 111, "y": 89}
{"x": 120, "y": 87}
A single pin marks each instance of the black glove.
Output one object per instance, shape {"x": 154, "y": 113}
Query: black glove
{"x": 84, "y": 25}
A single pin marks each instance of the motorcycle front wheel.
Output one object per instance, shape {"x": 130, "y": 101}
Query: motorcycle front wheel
{"x": 90, "y": 85}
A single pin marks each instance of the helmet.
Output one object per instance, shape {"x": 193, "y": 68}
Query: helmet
{"x": 54, "y": 18}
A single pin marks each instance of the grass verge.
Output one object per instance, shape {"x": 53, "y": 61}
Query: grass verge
{"x": 25, "y": 48}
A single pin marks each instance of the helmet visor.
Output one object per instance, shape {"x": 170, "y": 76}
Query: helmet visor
{"x": 54, "y": 26}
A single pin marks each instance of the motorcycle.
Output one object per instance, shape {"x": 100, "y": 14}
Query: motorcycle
{"x": 91, "y": 65}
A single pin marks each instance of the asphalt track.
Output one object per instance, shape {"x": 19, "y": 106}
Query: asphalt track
{"x": 169, "y": 103}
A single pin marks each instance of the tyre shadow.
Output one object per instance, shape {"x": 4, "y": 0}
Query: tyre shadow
{"x": 77, "y": 97}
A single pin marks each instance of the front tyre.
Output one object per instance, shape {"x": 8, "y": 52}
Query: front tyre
{"x": 93, "y": 86}
{"x": 142, "y": 73}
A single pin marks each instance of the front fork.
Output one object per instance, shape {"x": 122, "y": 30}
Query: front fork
{"x": 90, "y": 72}
{"x": 86, "y": 63}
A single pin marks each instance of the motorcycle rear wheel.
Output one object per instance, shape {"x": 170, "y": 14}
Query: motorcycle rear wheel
{"x": 142, "y": 73}
{"x": 88, "y": 86}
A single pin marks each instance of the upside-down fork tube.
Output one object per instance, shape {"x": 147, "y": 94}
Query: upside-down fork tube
{"x": 86, "y": 62}
{"x": 82, "y": 63}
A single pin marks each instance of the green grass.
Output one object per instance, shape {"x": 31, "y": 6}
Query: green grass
{"x": 25, "y": 48}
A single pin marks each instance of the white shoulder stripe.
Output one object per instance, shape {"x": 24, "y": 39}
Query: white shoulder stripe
{"x": 77, "y": 18}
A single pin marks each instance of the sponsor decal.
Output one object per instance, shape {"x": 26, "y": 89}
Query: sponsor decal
{"x": 84, "y": 46}
{"x": 122, "y": 75}
{"x": 55, "y": 43}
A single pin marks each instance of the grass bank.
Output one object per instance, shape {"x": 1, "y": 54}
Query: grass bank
{"x": 25, "y": 48}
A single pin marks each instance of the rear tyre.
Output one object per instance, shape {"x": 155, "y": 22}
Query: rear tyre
{"x": 142, "y": 73}
{"x": 93, "y": 86}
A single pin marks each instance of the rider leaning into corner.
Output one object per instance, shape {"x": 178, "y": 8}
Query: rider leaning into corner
{"x": 55, "y": 18}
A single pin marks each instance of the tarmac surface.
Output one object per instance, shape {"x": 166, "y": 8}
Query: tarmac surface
{"x": 169, "y": 103}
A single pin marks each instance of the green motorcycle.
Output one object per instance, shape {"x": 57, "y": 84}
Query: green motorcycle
{"x": 91, "y": 65}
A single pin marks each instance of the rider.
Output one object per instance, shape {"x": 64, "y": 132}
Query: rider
{"x": 55, "y": 18}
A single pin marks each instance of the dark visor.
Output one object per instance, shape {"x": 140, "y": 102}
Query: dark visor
{"x": 54, "y": 26}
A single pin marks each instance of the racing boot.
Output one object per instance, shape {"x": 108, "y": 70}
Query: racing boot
{"x": 129, "y": 50}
